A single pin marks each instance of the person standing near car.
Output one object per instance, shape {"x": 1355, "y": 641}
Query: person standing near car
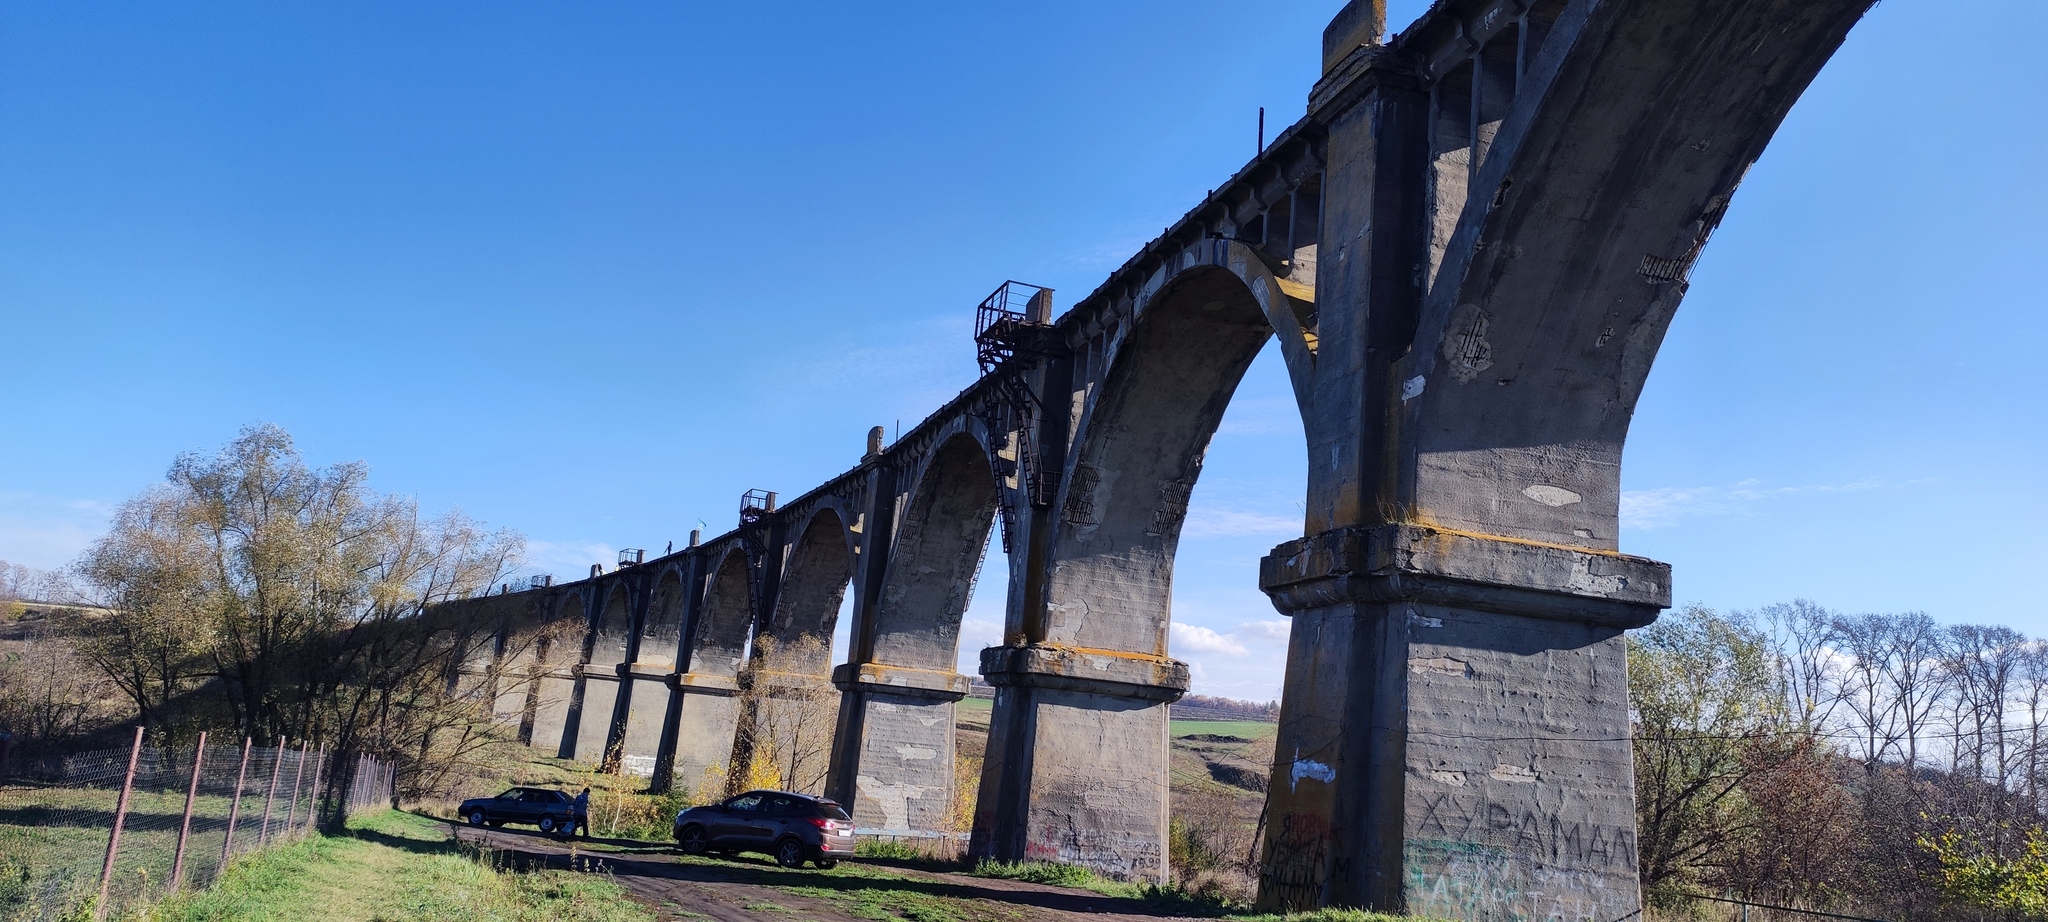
{"x": 582, "y": 809}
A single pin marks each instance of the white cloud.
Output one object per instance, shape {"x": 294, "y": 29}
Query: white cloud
{"x": 1275, "y": 631}
{"x": 1261, "y": 416}
{"x": 1666, "y": 506}
{"x": 568, "y": 560}
{"x": 1206, "y": 522}
{"x": 1197, "y": 639}
{"x": 47, "y": 532}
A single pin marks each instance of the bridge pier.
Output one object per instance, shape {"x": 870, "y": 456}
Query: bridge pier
{"x": 893, "y": 754}
{"x": 1456, "y": 738}
{"x": 601, "y": 690}
{"x": 707, "y": 716}
{"x": 645, "y": 701}
{"x": 1077, "y": 759}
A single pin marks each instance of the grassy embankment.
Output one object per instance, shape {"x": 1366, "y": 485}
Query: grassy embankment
{"x": 392, "y": 866}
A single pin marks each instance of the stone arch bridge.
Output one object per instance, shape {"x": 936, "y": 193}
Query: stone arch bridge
{"x": 1469, "y": 250}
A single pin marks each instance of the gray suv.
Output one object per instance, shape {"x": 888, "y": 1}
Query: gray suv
{"x": 793, "y": 828}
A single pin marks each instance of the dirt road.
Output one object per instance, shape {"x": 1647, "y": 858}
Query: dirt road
{"x": 753, "y": 889}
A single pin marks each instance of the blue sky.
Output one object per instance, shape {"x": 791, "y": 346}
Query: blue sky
{"x": 592, "y": 271}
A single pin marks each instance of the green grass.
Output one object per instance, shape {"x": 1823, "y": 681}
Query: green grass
{"x": 395, "y": 866}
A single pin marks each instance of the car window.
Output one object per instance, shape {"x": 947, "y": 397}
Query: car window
{"x": 536, "y": 797}
{"x": 832, "y": 811}
{"x": 749, "y": 802}
{"x": 510, "y": 795}
{"x": 785, "y": 806}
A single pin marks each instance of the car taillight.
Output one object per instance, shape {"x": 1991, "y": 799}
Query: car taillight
{"x": 821, "y": 823}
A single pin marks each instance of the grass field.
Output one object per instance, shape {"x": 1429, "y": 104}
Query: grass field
{"x": 395, "y": 866}
{"x": 1245, "y": 729}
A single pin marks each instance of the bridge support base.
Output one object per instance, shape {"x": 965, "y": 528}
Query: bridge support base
{"x": 707, "y": 716}
{"x": 1452, "y": 744}
{"x": 1077, "y": 757}
{"x": 894, "y": 769}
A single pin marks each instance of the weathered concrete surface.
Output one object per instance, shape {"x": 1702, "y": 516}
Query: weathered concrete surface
{"x": 553, "y": 691}
{"x": 893, "y": 759}
{"x": 600, "y": 696}
{"x": 1495, "y": 779}
{"x": 704, "y": 738}
{"x": 1469, "y": 252}
{"x": 646, "y": 711}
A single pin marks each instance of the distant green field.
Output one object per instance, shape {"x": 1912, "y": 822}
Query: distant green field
{"x": 1249, "y": 729}
{"x": 976, "y": 710}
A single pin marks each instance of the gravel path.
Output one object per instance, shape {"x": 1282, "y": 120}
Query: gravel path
{"x": 752, "y": 888}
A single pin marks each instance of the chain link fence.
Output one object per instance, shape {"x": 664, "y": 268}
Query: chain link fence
{"x": 117, "y": 828}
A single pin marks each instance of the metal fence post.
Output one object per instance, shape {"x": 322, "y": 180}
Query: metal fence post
{"x": 291, "y": 814}
{"x": 270, "y": 793}
{"x": 99, "y": 909}
{"x": 235, "y": 807}
{"x": 313, "y": 807}
{"x": 185, "y": 827}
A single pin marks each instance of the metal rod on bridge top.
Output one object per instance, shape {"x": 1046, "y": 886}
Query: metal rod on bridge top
{"x": 291, "y": 813}
{"x": 1262, "y": 131}
{"x": 235, "y": 806}
{"x": 270, "y": 793}
{"x": 185, "y": 827}
{"x": 99, "y": 909}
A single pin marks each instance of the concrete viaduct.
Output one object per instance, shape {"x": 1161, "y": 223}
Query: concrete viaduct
{"x": 1469, "y": 251}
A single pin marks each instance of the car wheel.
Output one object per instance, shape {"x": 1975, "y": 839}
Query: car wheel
{"x": 827, "y": 864}
{"x": 476, "y": 818}
{"x": 789, "y": 853}
{"x": 692, "y": 840}
{"x": 547, "y": 825}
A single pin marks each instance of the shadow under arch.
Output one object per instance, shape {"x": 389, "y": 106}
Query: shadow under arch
{"x": 599, "y": 684}
{"x": 894, "y": 758}
{"x": 646, "y": 693}
{"x": 814, "y": 585}
{"x": 1078, "y": 745}
{"x": 708, "y": 708}
{"x": 786, "y": 721}
{"x": 556, "y": 651}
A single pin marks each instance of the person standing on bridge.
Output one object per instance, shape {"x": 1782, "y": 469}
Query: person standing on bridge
{"x": 583, "y": 813}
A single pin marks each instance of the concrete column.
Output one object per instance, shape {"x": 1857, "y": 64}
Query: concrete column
{"x": 646, "y": 707}
{"x": 1077, "y": 759}
{"x": 707, "y": 715}
{"x": 1455, "y": 742}
{"x": 601, "y": 692}
{"x": 897, "y": 727}
{"x": 554, "y": 690}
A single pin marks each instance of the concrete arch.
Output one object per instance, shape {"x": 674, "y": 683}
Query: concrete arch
{"x": 1140, "y": 450}
{"x": 938, "y": 546}
{"x": 662, "y": 631}
{"x": 893, "y": 759}
{"x": 814, "y": 583}
{"x": 556, "y": 651}
{"x": 707, "y": 712}
{"x": 613, "y": 629}
{"x": 1534, "y": 343}
{"x": 726, "y": 622}
{"x": 610, "y": 634}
